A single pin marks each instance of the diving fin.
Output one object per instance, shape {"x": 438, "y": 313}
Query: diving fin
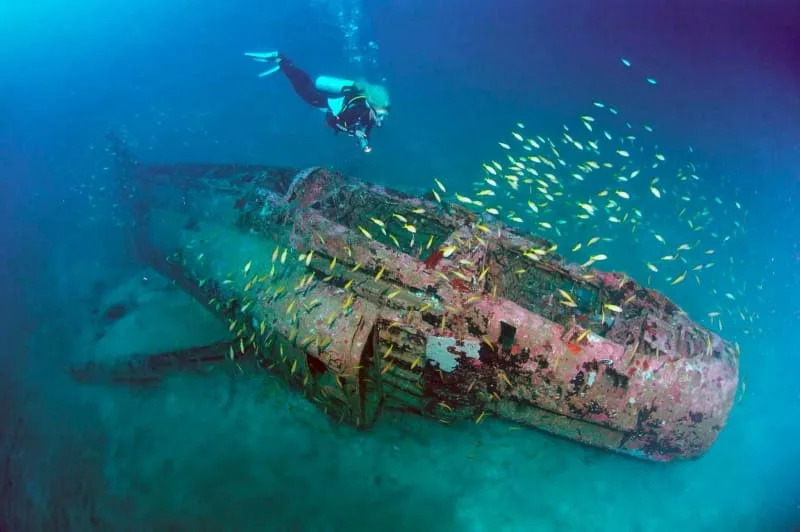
{"x": 266, "y": 57}
{"x": 263, "y": 56}
{"x": 270, "y": 71}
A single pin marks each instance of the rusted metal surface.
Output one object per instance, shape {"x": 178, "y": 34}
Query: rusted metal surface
{"x": 366, "y": 298}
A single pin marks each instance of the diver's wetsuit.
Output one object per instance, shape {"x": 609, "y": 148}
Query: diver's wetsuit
{"x": 355, "y": 116}
{"x": 302, "y": 84}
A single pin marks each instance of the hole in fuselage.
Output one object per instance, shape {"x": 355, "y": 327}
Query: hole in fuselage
{"x": 315, "y": 365}
{"x": 507, "y": 334}
{"x": 366, "y": 362}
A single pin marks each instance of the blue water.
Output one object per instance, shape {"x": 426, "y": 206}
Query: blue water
{"x": 172, "y": 79}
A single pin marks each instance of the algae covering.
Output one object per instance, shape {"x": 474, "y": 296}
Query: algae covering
{"x": 366, "y": 298}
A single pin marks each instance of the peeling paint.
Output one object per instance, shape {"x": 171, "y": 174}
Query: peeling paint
{"x": 445, "y": 351}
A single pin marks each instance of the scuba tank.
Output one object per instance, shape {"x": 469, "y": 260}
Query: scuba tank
{"x": 332, "y": 85}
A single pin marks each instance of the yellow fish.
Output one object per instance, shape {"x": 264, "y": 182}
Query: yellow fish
{"x": 448, "y": 250}
{"x": 679, "y": 278}
{"x": 365, "y": 232}
{"x": 566, "y": 295}
{"x": 331, "y": 318}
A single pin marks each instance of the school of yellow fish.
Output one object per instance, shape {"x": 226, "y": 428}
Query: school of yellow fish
{"x": 593, "y": 189}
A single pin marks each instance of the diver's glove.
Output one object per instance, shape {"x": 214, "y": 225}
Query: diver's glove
{"x": 267, "y": 57}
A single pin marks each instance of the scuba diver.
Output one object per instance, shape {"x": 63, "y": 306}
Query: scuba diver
{"x": 351, "y": 107}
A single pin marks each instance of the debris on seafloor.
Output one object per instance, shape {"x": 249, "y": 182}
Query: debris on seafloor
{"x": 366, "y": 298}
